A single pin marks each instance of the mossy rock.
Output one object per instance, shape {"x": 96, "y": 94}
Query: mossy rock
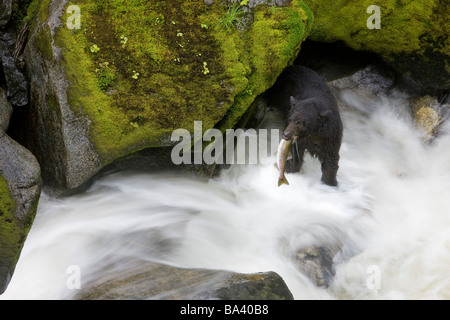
{"x": 413, "y": 36}
{"x": 20, "y": 187}
{"x": 137, "y": 70}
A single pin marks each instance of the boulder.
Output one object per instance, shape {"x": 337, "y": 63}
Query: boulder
{"x": 148, "y": 280}
{"x": 413, "y": 35}
{"x": 133, "y": 74}
{"x": 373, "y": 80}
{"x": 20, "y": 187}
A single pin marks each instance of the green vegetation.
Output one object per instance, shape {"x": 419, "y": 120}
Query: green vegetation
{"x": 141, "y": 69}
{"x": 22, "y": 11}
{"x": 232, "y": 16}
{"x": 413, "y": 35}
{"x": 11, "y": 239}
{"x": 105, "y": 76}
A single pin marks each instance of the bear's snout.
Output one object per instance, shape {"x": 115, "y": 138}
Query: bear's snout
{"x": 287, "y": 134}
{"x": 293, "y": 131}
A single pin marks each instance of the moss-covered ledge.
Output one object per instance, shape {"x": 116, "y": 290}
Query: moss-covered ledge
{"x": 134, "y": 72}
{"x": 413, "y": 36}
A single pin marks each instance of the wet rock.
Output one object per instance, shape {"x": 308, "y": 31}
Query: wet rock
{"x": 317, "y": 264}
{"x": 5, "y": 12}
{"x": 427, "y": 116}
{"x": 5, "y": 111}
{"x": 16, "y": 82}
{"x": 147, "y": 280}
{"x": 373, "y": 80}
{"x": 20, "y": 187}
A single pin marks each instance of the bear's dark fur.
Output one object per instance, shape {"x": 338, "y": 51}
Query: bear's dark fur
{"x": 313, "y": 119}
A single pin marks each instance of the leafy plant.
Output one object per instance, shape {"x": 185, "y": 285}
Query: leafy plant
{"x": 94, "y": 48}
{"x": 123, "y": 41}
{"x": 231, "y": 17}
{"x": 205, "y": 68}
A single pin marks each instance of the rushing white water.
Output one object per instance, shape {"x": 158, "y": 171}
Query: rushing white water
{"x": 390, "y": 214}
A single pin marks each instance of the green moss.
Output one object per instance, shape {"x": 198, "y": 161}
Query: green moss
{"x": 402, "y": 24}
{"x": 273, "y": 43}
{"x": 43, "y": 42}
{"x": 168, "y": 45}
{"x": 43, "y": 10}
{"x": 11, "y": 233}
{"x": 22, "y": 10}
{"x": 413, "y": 36}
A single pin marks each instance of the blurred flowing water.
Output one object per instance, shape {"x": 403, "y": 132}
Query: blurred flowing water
{"x": 390, "y": 216}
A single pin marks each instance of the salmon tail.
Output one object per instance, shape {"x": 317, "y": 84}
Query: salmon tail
{"x": 282, "y": 181}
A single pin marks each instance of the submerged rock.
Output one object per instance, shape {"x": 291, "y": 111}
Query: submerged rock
{"x": 317, "y": 264}
{"x": 147, "y": 280}
{"x": 427, "y": 116}
{"x": 133, "y": 74}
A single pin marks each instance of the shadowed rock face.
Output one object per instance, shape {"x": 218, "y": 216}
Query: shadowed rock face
{"x": 147, "y": 280}
{"x": 20, "y": 180}
{"x": 5, "y": 12}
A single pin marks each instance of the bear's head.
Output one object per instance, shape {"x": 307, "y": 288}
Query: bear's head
{"x": 305, "y": 117}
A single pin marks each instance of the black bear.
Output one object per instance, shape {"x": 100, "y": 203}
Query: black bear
{"x": 313, "y": 121}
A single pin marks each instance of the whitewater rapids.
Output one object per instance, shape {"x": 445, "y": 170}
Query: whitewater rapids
{"x": 390, "y": 215}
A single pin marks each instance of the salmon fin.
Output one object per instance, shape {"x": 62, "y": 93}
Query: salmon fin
{"x": 282, "y": 181}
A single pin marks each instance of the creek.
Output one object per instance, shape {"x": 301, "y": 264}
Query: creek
{"x": 390, "y": 216}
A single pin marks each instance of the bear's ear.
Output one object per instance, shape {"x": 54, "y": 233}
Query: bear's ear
{"x": 324, "y": 114}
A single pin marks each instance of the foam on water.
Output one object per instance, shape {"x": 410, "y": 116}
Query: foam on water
{"x": 390, "y": 215}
